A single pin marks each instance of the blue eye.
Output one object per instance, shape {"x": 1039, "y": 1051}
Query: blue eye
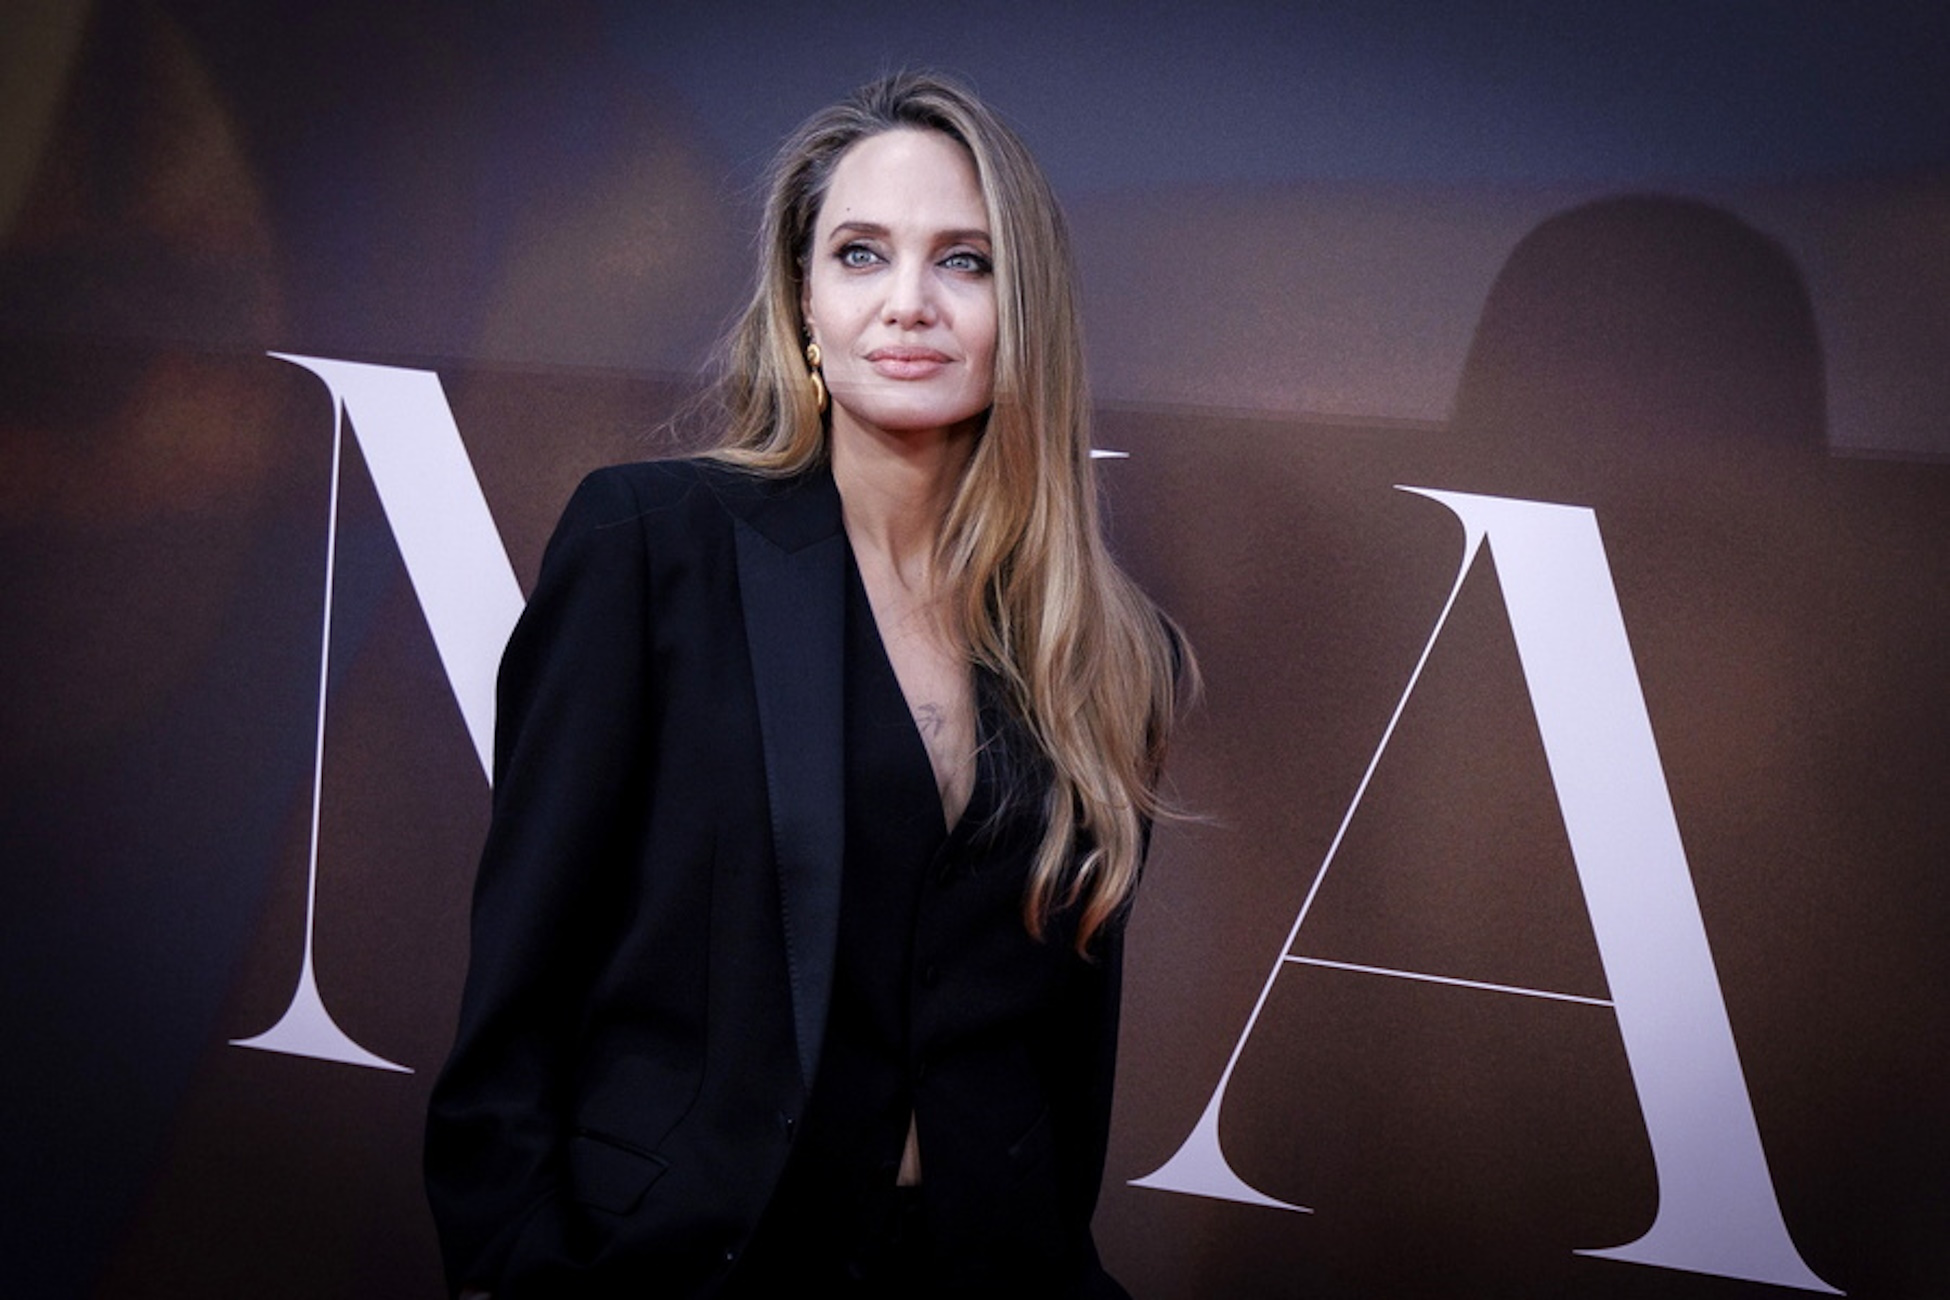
{"x": 857, "y": 255}
{"x": 967, "y": 262}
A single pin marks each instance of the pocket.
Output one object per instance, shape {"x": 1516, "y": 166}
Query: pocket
{"x": 609, "y": 1176}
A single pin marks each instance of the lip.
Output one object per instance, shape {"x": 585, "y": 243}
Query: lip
{"x": 908, "y": 362}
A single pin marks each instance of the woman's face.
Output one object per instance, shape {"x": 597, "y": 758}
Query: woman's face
{"x": 900, "y": 290}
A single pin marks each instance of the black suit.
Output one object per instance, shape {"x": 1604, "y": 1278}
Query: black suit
{"x": 658, "y": 900}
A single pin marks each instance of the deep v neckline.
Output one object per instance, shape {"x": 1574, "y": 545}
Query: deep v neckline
{"x": 913, "y": 741}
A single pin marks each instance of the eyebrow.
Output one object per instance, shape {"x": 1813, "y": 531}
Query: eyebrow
{"x": 972, "y": 234}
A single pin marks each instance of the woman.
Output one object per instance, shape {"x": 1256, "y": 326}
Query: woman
{"x": 824, "y": 774}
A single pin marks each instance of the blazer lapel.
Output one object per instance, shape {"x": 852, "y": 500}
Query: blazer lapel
{"x": 791, "y": 574}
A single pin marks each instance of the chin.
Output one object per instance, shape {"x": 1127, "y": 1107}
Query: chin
{"x": 917, "y": 418}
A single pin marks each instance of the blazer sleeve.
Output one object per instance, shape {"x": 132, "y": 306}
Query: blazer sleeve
{"x": 1096, "y": 995}
{"x": 574, "y": 708}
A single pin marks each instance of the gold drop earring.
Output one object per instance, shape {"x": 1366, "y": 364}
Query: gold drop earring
{"x": 818, "y": 380}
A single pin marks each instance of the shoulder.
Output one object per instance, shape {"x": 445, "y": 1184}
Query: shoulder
{"x": 669, "y": 511}
{"x": 621, "y": 493}
{"x": 626, "y": 539}
{"x": 641, "y": 497}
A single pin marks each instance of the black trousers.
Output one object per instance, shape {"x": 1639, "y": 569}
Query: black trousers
{"x": 888, "y": 1260}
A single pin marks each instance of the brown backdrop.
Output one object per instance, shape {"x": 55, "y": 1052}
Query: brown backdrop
{"x": 1740, "y": 373}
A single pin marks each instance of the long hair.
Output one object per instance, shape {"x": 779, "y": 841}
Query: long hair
{"x": 1086, "y": 662}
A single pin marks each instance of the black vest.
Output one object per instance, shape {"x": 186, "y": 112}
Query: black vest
{"x": 943, "y": 1008}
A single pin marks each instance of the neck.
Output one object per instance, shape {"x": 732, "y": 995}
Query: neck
{"x": 895, "y": 491}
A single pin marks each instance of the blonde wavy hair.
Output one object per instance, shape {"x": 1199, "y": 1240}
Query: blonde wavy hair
{"x": 1087, "y": 663}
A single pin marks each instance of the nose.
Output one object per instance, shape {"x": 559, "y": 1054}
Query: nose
{"x": 910, "y": 296}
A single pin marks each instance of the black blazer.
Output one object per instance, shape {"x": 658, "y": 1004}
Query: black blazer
{"x": 658, "y": 899}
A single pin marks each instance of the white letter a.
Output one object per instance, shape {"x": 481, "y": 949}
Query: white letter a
{"x": 1717, "y": 1213}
